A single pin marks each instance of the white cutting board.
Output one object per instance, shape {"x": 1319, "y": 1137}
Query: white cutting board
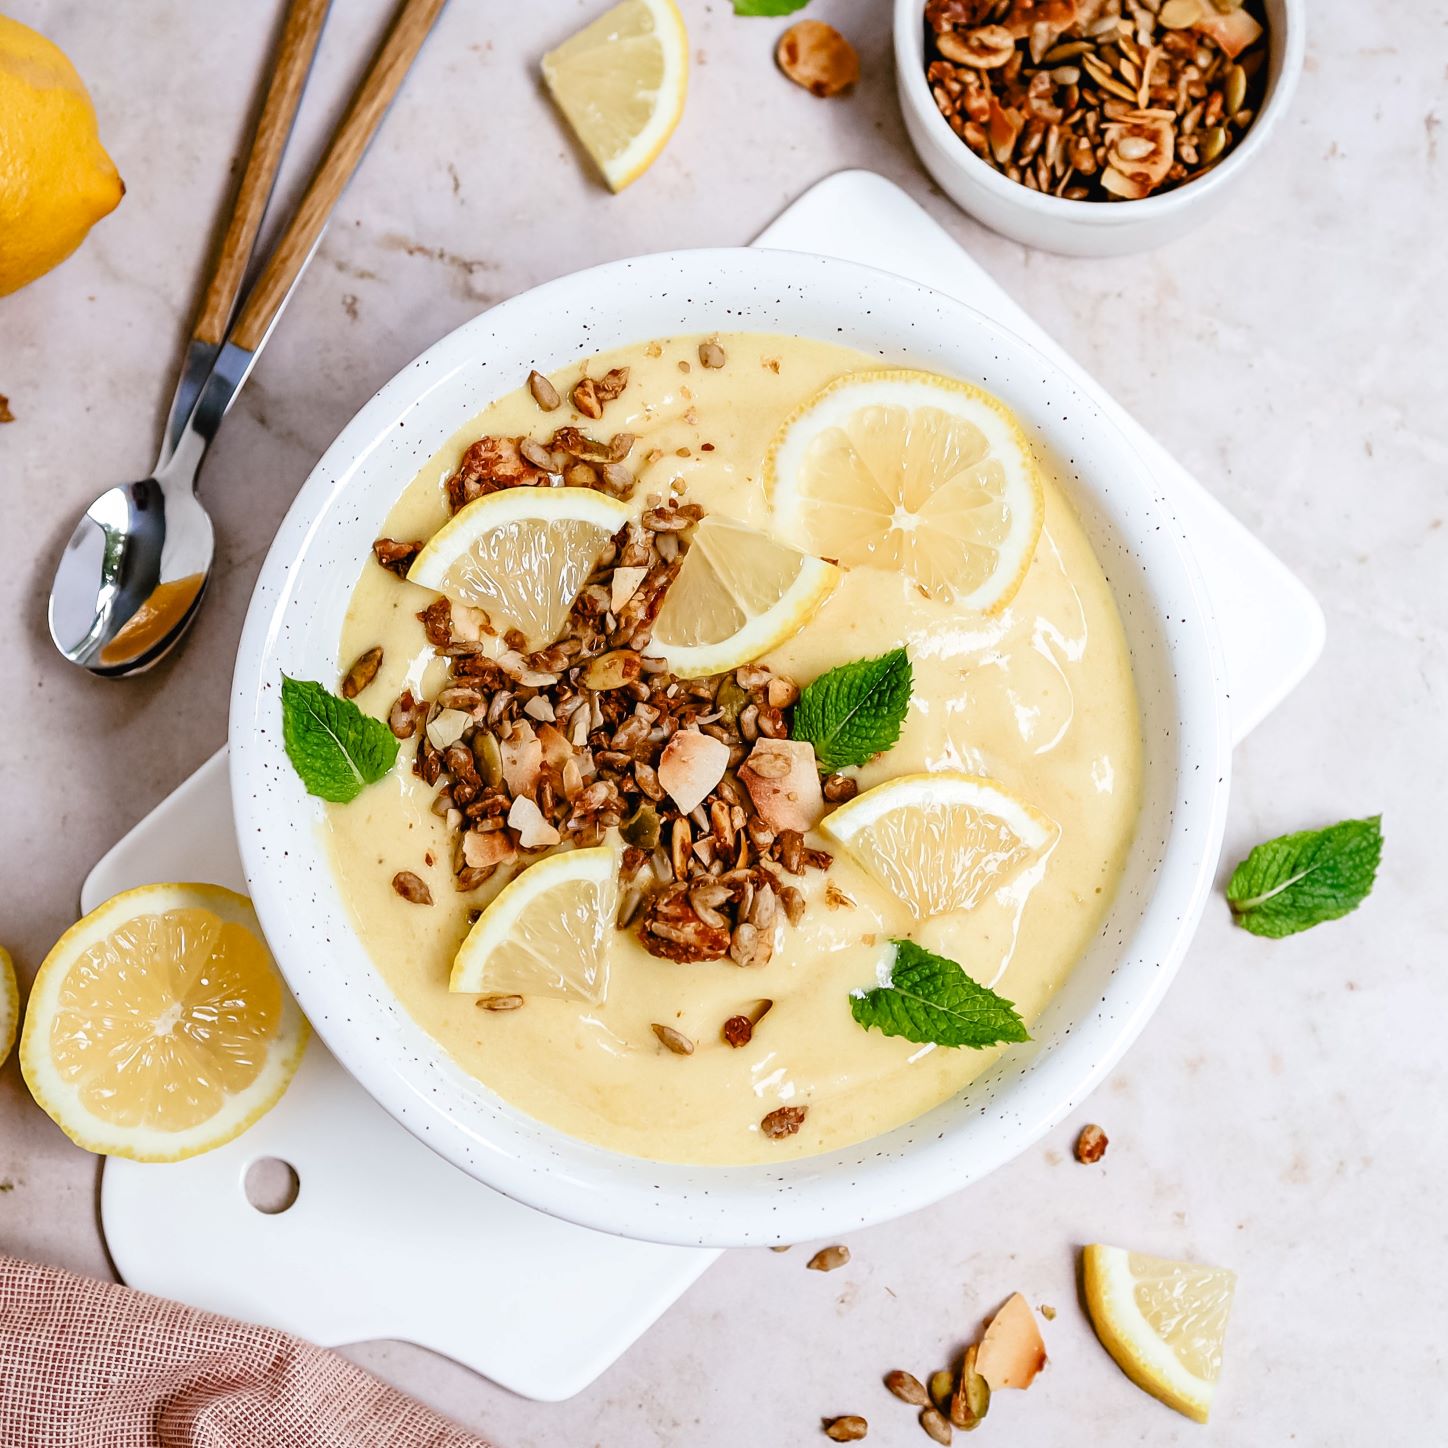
{"x": 385, "y": 1239}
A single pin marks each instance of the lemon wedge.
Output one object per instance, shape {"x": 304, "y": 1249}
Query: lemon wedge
{"x": 1164, "y": 1322}
{"x": 158, "y": 1026}
{"x": 941, "y": 842}
{"x": 521, "y": 554}
{"x": 9, "y": 1003}
{"x": 912, "y": 473}
{"x": 737, "y": 595}
{"x": 545, "y": 932}
{"x": 621, "y": 82}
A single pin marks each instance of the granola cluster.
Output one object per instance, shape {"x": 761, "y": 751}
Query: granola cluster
{"x": 530, "y": 749}
{"x": 1097, "y": 100}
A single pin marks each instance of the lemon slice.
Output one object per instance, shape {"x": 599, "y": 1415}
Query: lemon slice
{"x": 158, "y": 1026}
{"x": 1163, "y": 1322}
{"x": 913, "y": 473}
{"x": 941, "y": 842}
{"x": 621, "y": 83}
{"x": 545, "y": 932}
{"x": 737, "y": 595}
{"x": 9, "y": 1003}
{"x": 521, "y": 554}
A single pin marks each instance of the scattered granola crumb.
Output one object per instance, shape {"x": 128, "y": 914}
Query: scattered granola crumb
{"x": 784, "y": 1247}
{"x": 783, "y": 1121}
{"x": 1091, "y": 1144}
{"x": 828, "y": 1259}
{"x": 738, "y": 1031}
{"x": 1048, "y": 1312}
{"x": 836, "y": 898}
{"x": 499, "y": 1002}
{"x": 5, "y": 414}
{"x": 711, "y": 354}
{"x": 545, "y": 394}
{"x": 412, "y": 888}
{"x": 361, "y": 673}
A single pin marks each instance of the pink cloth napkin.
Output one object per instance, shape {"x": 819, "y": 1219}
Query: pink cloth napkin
{"x": 87, "y": 1364}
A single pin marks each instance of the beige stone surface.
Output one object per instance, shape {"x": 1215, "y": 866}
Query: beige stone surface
{"x": 1280, "y": 1114}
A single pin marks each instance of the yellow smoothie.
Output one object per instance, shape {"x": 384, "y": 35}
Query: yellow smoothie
{"x": 1039, "y": 698}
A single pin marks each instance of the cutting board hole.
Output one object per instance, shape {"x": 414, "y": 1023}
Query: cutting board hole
{"x": 271, "y": 1184}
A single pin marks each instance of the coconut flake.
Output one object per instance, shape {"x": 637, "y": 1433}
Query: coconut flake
{"x": 534, "y": 832}
{"x": 690, "y": 766}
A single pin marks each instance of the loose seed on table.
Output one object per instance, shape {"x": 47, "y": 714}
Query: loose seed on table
{"x": 1091, "y": 1144}
{"x": 849, "y": 1429}
{"x": 827, "y": 1259}
{"x": 936, "y": 1424}
{"x": 907, "y": 1387}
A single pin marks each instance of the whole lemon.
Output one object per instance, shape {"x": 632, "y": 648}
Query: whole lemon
{"x": 56, "y": 180}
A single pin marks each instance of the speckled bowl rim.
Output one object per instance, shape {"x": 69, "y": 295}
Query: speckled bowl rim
{"x": 293, "y": 625}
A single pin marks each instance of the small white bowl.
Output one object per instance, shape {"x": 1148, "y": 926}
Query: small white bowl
{"x": 294, "y": 626}
{"x": 1085, "y": 228}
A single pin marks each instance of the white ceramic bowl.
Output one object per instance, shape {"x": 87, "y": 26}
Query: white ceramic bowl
{"x": 1085, "y": 228}
{"x": 294, "y": 625}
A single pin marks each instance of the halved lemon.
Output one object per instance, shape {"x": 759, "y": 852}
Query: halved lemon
{"x": 1164, "y": 1322}
{"x": 158, "y": 1026}
{"x": 941, "y": 842}
{"x": 545, "y": 932}
{"x": 737, "y": 595}
{"x": 521, "y": 554}
{"x": 9, "y": 1003}
{"x": 621, "y": 82}
{"x": 913, "y": 473}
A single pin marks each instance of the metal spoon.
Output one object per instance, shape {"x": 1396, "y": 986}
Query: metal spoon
{"x": 133, "y": 574}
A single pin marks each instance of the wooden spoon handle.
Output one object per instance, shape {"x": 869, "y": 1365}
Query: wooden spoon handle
{"x": 410, "y": 28}
{"x": 300, "y": 33}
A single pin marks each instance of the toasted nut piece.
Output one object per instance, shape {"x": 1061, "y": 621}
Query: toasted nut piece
{"x": 1011, "y": 1352}
{"x": 1091, "y": 1144}
{"x": 818, "y": 57}
{"x": 849, "y": 1429}
{"x": 840, "y": 787}
{"x": 396, "y": 556}
{"x": 827, "y": 1259}
{"x": 936, "y": 1424}
{"x": 545, "y": 394}
{"x": 711, "y": 354}
{"x": 907, "y": 1387}
{"x": 613, "y": 382}
{"x": 405, "y": 713}
{"x": 783, "y": 1121}
{"x": 987, "y": 47}
{"x": 585, "y": 398}
{"x": 362, "y": 673}
{"x": 499, "y": 1002}
{"x": 676, "y": 1041}
{"x": 412, "y": 888}
{"x": 691, "y": 765}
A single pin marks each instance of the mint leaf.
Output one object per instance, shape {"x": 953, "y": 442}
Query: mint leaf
{"x": 1297, "y": 881}
{"x": 335, "y": 748}
{"x": 854, "y": 712}
{"x": 931, "y": 1000}
{"x": 768, "y": 7}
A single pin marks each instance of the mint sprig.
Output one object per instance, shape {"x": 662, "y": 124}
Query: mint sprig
{"x": 932, "y": 1001}
{"x": 1299, "y": 880}
{"x": 854, "y": 712}
{"x": 336, "y": 749}
{"x": 768, "y": 7}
